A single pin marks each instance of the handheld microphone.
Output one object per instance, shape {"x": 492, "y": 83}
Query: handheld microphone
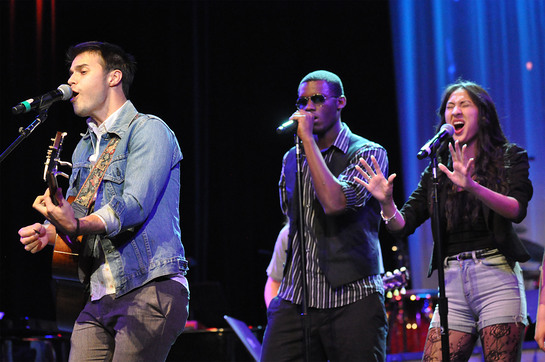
{"x": 62, "y": 93}
{"x": 446, "y": 131}
{"x": 287, "y": 126}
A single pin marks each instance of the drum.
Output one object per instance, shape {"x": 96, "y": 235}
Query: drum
{"x": 409, "y": 318}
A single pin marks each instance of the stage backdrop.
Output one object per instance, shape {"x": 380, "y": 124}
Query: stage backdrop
{"x": 498, "y": 44}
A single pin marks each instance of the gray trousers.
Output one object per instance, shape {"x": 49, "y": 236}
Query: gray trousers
{"x": 141, "y": 325}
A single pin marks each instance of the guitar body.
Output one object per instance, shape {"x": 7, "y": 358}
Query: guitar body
{"x": 70, "y": 300}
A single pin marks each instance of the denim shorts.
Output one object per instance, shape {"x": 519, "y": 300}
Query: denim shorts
{"x": 482, "y": 292}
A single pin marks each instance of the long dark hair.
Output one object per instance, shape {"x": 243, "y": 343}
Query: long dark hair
{"x": 489, "y": 163}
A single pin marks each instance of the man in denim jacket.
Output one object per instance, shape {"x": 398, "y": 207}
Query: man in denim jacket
{"x": 134, "y": 259}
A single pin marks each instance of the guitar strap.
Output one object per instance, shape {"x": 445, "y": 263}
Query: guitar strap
{"x": 86, "y": 194}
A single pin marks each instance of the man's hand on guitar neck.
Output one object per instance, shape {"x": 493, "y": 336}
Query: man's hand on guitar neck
{"x": 61, "y": 215}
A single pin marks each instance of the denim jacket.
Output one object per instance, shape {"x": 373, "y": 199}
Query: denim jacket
{"x": 138, "y": 199}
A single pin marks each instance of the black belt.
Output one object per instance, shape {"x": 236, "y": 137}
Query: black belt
{"x": 478, "y": 254}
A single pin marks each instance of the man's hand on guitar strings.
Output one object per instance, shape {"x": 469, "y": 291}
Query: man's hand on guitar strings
{"x": 61, "y": 215}
{"x": 34, "y": 237}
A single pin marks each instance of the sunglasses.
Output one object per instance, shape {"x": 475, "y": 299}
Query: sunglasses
{"x": 317, "y": 99}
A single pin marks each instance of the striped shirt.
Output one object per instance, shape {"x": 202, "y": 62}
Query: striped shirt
{"x": 320, "y": 293}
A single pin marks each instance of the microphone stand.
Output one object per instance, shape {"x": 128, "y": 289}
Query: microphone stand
{"x": 24, "y": 133}
{"x": 442, "y": 300}
{"x": 301, "y": 226}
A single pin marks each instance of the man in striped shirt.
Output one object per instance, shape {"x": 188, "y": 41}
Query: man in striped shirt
{"x": 346, "y": 318}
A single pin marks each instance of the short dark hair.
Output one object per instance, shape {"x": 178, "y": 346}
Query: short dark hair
{"x": 113, "y": 56}
{"x": 333, "y": 81}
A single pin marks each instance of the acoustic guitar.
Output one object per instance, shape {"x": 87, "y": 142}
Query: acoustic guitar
{"x": 69, "y": 293}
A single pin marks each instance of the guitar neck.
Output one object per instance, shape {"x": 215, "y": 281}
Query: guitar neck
{"x": 51, "y": 165}
{"x": 52, "y": 186}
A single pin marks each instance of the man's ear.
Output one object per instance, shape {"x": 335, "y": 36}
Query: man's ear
{"x": 341, "y": 102}
{"x": 114, "y": 78}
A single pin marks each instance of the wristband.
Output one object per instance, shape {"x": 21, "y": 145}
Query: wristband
{"x": 388, "y": 219}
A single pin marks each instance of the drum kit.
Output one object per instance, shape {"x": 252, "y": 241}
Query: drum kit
{"x": 409, "y": 312}
{"x": 409, "y": 317}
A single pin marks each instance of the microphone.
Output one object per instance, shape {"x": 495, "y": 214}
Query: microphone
{"x": 288, "y": 126}
{"x": 62, "y": 93}
{"x": 446, "y": 131}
